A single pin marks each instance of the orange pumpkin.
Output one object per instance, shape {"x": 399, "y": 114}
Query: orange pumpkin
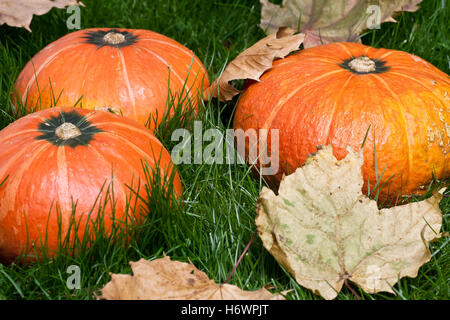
{"x": 121, "y": 70}
{"x": 61, "y": 157}
{"x": 337, "y": 93}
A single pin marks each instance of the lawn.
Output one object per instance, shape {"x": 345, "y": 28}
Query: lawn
{"x": 215, "y": 221}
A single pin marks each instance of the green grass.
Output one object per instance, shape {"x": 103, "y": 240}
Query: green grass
{"x": 216, "y": 218}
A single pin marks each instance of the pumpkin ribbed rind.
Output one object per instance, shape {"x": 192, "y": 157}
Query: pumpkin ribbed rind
{"x": 313, "y": 100}
{"x": 130, "y": 78}
{"x": 43, "y": 177}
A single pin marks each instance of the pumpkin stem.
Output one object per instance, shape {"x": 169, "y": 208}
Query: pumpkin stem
{"x": 363, "y": 65}
{"x": 67, "y": 131}
{"x": 114, "y": 37}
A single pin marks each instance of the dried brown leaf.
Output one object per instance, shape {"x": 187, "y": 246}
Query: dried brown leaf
{"x": 324, "y": 231}
{"x": 325, "y": 21}
{"x": 164, "y": 279}
{"x": 253, "y": 62}
{"x": 18, "y": 13}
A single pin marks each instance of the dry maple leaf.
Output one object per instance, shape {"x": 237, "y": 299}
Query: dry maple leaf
{"x": 18, "y": 13}
{"x": 325, "y": 21}
{"x": 164, "y": 279}
{"x": 324, "y": 231}
{"x": 253, "y": 62}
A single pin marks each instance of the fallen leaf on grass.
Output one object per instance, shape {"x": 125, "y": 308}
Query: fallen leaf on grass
{"x": 18, "y": 13}
{"x": 325, "y": 21}
{"x": 253, "y": 62}
{"x": 164, "y": 279}
{"x": 324, "y": 231}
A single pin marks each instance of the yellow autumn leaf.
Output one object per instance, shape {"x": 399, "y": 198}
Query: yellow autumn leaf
{"x": 18, "y": 13}
{"x": 164, "y": 279}
{"x": 324, "y": 231}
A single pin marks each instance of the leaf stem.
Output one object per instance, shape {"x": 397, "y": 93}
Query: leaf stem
{"x": 240, "y": 258}
{"x": 357, "y": 296}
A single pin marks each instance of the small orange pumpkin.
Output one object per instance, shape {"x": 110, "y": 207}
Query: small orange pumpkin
{"x": 337, "y": 93}
{"x": 126, "y": 71}
{"x": 60, "y": 157}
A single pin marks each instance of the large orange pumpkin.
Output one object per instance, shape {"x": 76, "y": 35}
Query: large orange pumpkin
{"x": 337, "y": 93}
{"x": 58, "y": 158}
{"x": 122, "y": 70}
